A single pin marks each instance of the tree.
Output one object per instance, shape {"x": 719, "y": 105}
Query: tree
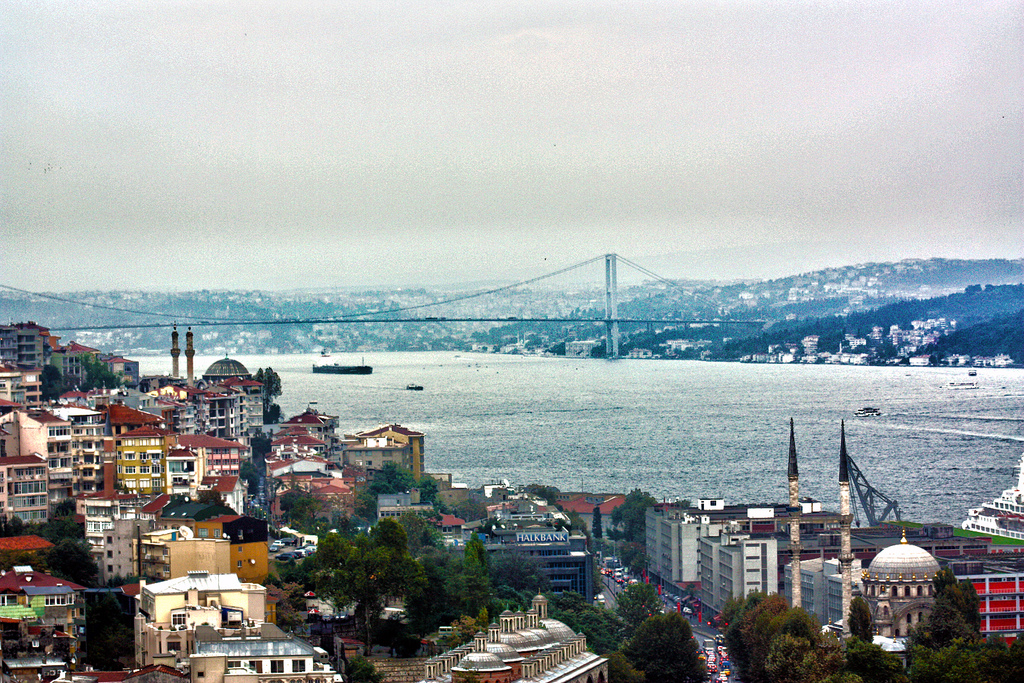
{"x": 111, "y": 643}
{"x": 603, "y": 627}
{"x": 631, "y": 516}
{"x": 476, "y": 578}
{"x": 51, "y": 383}
{"x": 70, "y": 559}
{"x": 596, "y": 523}
{"x": 271, "y": 382}
{"x": 519, "y": 572}
{"x": 664, "y": 649}
{"x": 210, "y": 497}
{"x": 872, "y": 663}
{"x": 860, "y": 619}
{"x": 361, "y": 670}
{"x": 97, "y": 374}
{"x": 619, "y": 668}
{"x": 367, "y": 571}
{"x": 421, "y": 532}
{"x": 795, "y": 659}
{"x": 636, "y": 604}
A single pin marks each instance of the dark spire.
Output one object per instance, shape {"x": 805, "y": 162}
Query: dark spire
{"x": 844, "y": 468}
{"x": 793, "y": 474}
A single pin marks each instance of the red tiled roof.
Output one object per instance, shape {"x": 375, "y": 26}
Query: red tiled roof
{"x": 398, "y": 429}
{"x": 4, "y": 403}
{"x": 22, "y": 460}
{"x": 204, "y": 441}
{"x": 451, "y": 520}
{"x": 237, "y": 382}
{"x": 44, "y": 417}
{"x": 582, "y": 506}
{"x": 145, "y": 431}
{"x": 131, "y": 589}
{"x": 162, "y": 668}
{"x": 298, "y": 440}
{"x": 15, "y": 581}
{"x": 223, "y": 484}
{"x": 24, "y": 543}
{"x": 74, "y": 348}
{"x": 121, "y": 414}
{"x": 305, "y": 418}
{"x": 157, "y": 504}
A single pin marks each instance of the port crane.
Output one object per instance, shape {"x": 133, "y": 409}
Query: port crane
{"x": 877, "y": 506}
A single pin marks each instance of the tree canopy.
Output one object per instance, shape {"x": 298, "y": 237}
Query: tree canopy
{"x": 631, "y": 516}
{"x": 664, "y": 649}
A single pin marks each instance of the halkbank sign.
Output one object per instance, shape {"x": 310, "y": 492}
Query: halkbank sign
{"x": 542, "y": 537}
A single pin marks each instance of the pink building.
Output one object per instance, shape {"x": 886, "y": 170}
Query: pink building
{"x": 24, "y": 483}
{"x": 222, "y": 457}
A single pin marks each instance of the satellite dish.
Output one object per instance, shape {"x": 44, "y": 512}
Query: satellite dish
{"x": 185, "y": 532}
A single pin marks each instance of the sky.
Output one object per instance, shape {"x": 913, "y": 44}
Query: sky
{"x": 278, "y": 145}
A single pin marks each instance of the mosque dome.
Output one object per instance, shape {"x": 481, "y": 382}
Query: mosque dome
{"x": 505, "y": 652}
{"x": 902, "y": 561}
{"x": 481, "y": 661}
{"x": 559, "y": 631}
{"x": 225, "y": 368}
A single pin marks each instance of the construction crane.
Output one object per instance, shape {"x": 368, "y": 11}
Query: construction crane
{"x": 877, "y": 506}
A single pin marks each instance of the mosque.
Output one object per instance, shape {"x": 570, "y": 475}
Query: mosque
{"x": 898, "y": 582}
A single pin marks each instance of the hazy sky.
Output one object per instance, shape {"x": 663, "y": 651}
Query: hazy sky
{"x": 164, "y": 144}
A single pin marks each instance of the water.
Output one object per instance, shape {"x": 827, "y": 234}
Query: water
{"x": 681, "y": 429}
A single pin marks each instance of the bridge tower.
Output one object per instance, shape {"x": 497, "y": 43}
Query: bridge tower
{"x": 611, "y": 307}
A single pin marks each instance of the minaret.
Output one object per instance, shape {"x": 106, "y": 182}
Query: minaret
{"x": 175, "y": 351}
{"x": 795, "y": 514}
{"x": 845, "y": 552}
{"x": 190, "y": 353}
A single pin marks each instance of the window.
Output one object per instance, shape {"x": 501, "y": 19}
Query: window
{"x": 56, "y": 600}
{"x": 7, "y": 600}
{"x": 178, "y": 619}
{"x": 277, "y": 666}
{"x": 298, "y": 666}
{"x": 203, "y": 532}
{"x": 238, "y": 565}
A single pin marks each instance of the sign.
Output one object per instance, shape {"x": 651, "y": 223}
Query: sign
{"x": 542, "y": 537}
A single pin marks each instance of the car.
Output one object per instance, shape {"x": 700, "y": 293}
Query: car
{"x": 291, "y": 555}
{"x": 276, "y": 545}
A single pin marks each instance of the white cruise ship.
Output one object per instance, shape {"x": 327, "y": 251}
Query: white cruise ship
{"x": 1004, "y": 516}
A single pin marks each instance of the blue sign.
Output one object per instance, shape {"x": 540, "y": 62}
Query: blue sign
{"x": 542, "y": 537}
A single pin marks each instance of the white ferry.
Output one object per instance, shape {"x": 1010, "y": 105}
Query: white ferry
{"x": 1004, "y": 516}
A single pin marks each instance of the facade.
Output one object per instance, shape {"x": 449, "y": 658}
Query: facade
{"x": 264, "y": 655}
{"x": 736, "y": 564}
{"x": 821, "y": 588}
{"x": 141, "y": 459}
{"x": 24, "y": 486}
{"x": 563, "y": 555}
{"x": 169, "y": 612}
{"x": 396, "y": 435}
{"x": 221, "y": 457}
{"x": 1000, "y": 587}
{"x": 43, "y": 600}
{"x": 247, "y": 556}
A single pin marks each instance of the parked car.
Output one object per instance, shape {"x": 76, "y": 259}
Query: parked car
{"x": 276, "y": 545}
{"x": 292, "y": 555}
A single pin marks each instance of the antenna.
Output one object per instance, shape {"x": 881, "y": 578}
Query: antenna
{"x": 185, "y": 532}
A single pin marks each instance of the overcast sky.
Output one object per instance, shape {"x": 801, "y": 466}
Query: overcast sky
{"x": 164, "y": 144}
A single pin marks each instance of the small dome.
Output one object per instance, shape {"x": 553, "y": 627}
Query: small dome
{"x": 224, "y": 368}
{"x": 539, "y": 636}
{"x": 516, "y": 640}
{"x": 903, "y": 561}
{"x": 481, "y": 661}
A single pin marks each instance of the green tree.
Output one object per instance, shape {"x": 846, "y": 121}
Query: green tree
{"x": 753, "y": 622}
{"x": 603, "y": 627}
{"x": 361, "y": 670}
{"x": 664, "y": 649}
{"x": 950, "y": 664}
{"x": 795, "y": 659}
{"x": 251, "y": 476}
{"x": 476, "y": 578}
{"x": 271, "y": 382}
{"x": 860, "y": 619}
{"x": 51, "y": 383}
{"x": 367, "y": 571}
{"x": 636, "y": 604}
{"x": 620, "y": 670}
{"x": 631, "y": 516}
{"x": 97, "y": 374}
{"x": 111, "y": 642}
{"x": 421, "y": 532}
{"x": 596, "y": 528}
{"x": 519, "y": 572}
{"x": 872, "y": 663}
{"x": 70, "y": 559}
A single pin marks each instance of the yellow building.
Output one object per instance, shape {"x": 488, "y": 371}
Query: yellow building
{"x": 399, "y": 435}
{"x": 173, "y": 553}
{"x": 248, "y": 538}
{"x": 141, "y": 459}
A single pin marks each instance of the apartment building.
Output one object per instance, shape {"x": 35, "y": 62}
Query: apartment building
{"x": 141, "y": 459}
{"x": 24, "y": 488}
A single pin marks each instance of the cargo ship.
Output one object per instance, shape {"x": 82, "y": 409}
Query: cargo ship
{"x": 337, "y": 369}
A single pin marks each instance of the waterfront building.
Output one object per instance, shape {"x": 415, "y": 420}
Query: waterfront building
{"x": 394, "y": 434}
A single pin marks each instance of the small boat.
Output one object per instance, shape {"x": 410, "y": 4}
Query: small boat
{"x": 867, "y": 412}
{"x": 414, "y": 387}
{"x": 325, "y": 353}
{"x": 962, "y": 385}
{"x": 972, "y": 373}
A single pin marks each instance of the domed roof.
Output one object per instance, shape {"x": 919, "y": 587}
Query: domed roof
{"x": 481, "y": 661}
{"x": 559, "y": 631}
{"x": 226, "y": 367}
{"x": 538, "y": 635}
{"x": 516, "y": 640}
{"x": 903, "y": 562}
{"x": 505, "y": 652}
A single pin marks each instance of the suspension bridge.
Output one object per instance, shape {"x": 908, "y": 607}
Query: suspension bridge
{"x": 610, "y": 319}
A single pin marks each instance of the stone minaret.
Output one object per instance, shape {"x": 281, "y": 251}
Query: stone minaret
{"x": 190, "y": 353}
{"x": 845, "y": 552}
{"x": 794, "y": 520}
{"x": 175, "y": 351}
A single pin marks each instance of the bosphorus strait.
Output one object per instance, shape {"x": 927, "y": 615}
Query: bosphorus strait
{"x": 681, "y": 429}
